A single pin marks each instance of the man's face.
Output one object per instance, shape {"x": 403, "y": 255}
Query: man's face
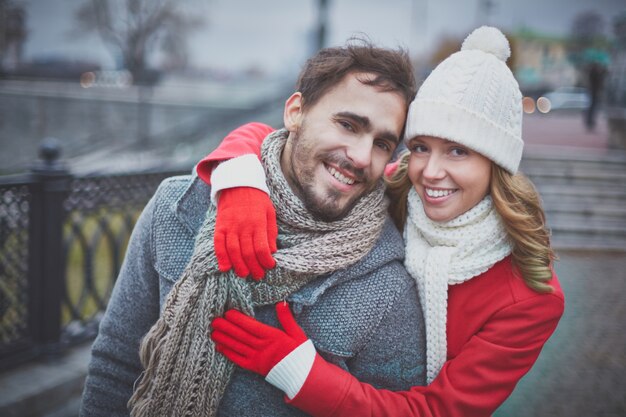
{"x": 338, "y": 148}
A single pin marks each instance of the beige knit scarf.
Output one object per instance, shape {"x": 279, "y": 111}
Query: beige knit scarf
{"x": 439, "y": 254}
{"x": 184, "y": 375}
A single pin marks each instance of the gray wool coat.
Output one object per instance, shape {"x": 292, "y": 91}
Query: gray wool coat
{"x": 365, "y": 318}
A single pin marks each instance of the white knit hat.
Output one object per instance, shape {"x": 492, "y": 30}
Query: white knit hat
{"x": 473, "y": 99}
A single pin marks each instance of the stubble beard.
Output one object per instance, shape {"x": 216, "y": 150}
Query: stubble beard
{"x": 327, "y": 207}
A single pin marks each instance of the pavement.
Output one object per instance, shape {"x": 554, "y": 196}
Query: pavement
{"x": 582, "y": 368}
{"x": 47, "y": 388}
{"x": 580, "y": 372}
{"x": 564, "y": 130}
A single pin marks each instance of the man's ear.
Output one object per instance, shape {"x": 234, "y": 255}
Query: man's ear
{"x": 292, "y": 115}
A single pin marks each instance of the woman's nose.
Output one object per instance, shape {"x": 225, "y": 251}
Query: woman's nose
{"x": 434, "y": 168}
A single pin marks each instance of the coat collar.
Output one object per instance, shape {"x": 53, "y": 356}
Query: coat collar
{"x": 193, "y": 203}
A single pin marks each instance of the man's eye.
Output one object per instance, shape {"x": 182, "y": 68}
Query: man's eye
{"x": 383, "y": 145}
{"x": 346, "y": 125}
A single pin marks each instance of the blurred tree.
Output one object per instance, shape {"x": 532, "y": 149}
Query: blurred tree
{"x": 588, "y": 26}
{"x": 619, "y": 30}
{"x": 134, "y": 28}
{"x": 587, "y": 31}
{"x": 616, "y": 84}
{"x": 588, "y": 52}
{"x": 449, "y": 45}
{"x": 12, "y": 34}
{"x": 322, "y": 23}
{"x": 446, "y": 46}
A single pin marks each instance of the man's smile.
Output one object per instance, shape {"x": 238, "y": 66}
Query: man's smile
{"x": 340, "y": 175}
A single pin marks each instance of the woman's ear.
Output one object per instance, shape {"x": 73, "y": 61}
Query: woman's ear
{"x": 292, "y": 115}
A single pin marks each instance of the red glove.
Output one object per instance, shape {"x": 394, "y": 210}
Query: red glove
{"x": 245, "y": 232}
{"x": 253, "y": 345}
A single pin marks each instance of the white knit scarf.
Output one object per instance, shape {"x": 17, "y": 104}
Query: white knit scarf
{"x": 439, "y": 254}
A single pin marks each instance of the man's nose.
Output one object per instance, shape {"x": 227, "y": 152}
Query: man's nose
{"x": 360, "y": 153}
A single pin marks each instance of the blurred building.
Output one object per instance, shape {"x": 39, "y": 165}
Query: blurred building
{"x": 616, "y": 91}
{"x": 616, "y": 85}
{"x": 541, "y": 62}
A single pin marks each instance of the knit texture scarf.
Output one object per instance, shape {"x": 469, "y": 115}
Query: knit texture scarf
{"x": 184, "y": 375}
{"x": 449, "y": 253}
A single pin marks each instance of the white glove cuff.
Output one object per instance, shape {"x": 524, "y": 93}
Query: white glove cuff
{"x": 292, "y": 371}
{"x": 242, "y": 171}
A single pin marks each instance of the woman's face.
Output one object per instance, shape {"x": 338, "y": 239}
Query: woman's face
{"x": 449, "y": 178}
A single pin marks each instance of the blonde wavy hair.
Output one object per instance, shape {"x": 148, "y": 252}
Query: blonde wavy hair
{"x": 519, "y": 205}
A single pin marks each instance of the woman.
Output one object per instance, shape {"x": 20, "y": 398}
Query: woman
{"x": 476, "y": 243}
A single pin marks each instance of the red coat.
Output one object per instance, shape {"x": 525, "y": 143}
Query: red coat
{"x": 496, "y": 328}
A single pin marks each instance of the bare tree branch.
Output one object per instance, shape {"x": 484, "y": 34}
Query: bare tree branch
{"x": 135, "y": 27}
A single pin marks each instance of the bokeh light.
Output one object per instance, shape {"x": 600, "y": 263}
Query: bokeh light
{"x": 543, "y": 105}
{"x": 529, "y": 105}
{"x": 87, "y": 79}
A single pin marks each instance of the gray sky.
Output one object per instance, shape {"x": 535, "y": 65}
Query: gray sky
{"x": 275, "y": 35}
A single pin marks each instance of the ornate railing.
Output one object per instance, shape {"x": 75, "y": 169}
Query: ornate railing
{"x": 15, "y": 292}
{"x": 62, "y": 243}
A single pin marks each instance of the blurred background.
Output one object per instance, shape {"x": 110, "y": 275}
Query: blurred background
{"x": 102, "y": 99}
{"x": 157, "y": 79}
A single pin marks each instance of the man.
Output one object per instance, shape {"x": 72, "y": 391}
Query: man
{"x": 596, "y": 73}
{"x": 338, "y": 261}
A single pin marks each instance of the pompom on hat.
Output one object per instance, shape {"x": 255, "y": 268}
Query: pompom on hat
{"x": 473, "y": 99}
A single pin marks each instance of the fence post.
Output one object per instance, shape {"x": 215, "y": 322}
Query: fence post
{"x": 47, "y": 260}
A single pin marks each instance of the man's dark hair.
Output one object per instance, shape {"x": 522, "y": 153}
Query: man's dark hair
{"x": 329, "y": 66}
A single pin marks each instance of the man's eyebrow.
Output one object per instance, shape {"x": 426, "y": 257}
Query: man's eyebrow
{"x": 365, "y": 123}
{"x": 390, "y": 137}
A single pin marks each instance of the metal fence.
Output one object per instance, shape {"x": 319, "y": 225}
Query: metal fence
{"x": 62, "y": 242}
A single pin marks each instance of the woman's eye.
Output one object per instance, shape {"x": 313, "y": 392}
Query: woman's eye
{"x": 418, "y": 148}
{"x": 459, "y": 152}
